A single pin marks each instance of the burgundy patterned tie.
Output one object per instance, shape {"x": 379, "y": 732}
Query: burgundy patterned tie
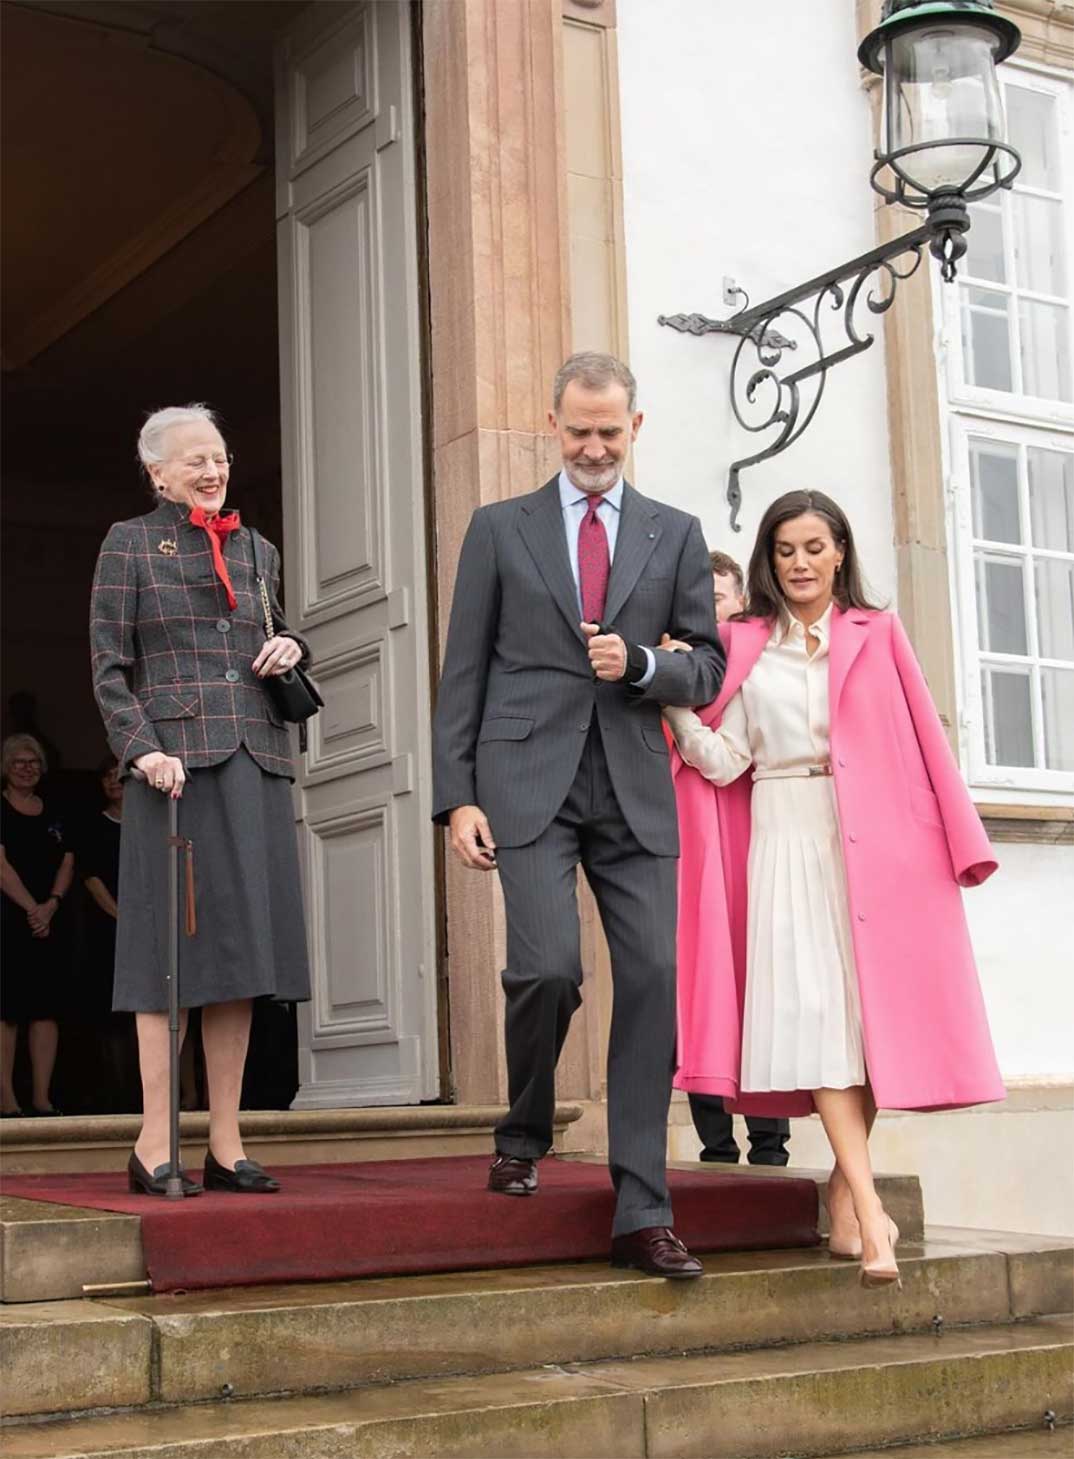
{"x": 593, "y": 561}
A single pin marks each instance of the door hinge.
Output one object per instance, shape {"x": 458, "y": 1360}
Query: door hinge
{"x": 387, "y": 130}
{"x": 402, "y": 775}
{"x": 398, "y": 607}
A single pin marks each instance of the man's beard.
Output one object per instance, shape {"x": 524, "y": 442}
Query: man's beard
{"x": 590, "y": 478}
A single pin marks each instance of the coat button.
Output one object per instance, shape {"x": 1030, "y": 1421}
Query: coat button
{"x": 861, "y": 916}
{"x": 223, "y": 626}
{"x": 232, "y": 676}
{"x": 842, "y": 762}
{"x": 852, "y": 837}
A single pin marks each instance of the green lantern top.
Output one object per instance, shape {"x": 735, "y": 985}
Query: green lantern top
{"x": 901, "y": 15}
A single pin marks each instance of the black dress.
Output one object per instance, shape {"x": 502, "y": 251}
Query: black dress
{"x": 98, "y": 855}
{"x": 33, "y": 985}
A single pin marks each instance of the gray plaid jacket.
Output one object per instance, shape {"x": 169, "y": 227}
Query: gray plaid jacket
{"x": 171, "y": 661}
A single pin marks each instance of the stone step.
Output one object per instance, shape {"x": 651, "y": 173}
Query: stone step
{"x": 1038, "y": 1443}
{"x": 278, "y": 1137}
{"x": 246, "y": 1342}
{"x": 901, "y": 1194}
{"x": 50, "y": 1252}
{"x": 804, "y": 1400}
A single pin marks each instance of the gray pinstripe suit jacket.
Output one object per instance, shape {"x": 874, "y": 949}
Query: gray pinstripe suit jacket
{"x": 517, "y": 693}
{"x": 171, "y": 661}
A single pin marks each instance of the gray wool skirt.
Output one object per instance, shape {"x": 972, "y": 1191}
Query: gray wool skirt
{"x": 251, "y": 937}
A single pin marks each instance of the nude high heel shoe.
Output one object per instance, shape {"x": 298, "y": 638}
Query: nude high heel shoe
{"x": 849, "y": 1252}
{"x": 875, "y": 1275}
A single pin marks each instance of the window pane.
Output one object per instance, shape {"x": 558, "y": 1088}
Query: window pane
{"x": 1031, "y": 131}
{"x": 1045, "y": 350}
{"x": 994, "y": 480}
{"x": 1051, "y": 498}
{"x": 1001, "y": 612}
{"x": 986, "y": 339}
{"x": 1055, "y": 607}
{"x": 984, "y": 257}
{"x": 1008, "y": 716}
{"x": 1057, "y": 693}
{"x": 1039, "y": 245}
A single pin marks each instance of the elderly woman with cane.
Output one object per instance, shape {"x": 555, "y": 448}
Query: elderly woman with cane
{"x": 181, "y": 663}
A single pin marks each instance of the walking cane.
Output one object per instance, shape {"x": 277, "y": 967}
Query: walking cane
{"x": 174, "y": 1183}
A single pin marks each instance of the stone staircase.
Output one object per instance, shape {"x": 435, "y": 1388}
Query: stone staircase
{"x": 769, "y": 1354}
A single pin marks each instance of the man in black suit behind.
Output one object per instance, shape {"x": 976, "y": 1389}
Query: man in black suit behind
{"x": 548, "y": 752}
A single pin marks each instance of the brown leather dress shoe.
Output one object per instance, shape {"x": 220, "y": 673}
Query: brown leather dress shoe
{"x": 657, "y": 1251}
{"x": 512, "y": 1175}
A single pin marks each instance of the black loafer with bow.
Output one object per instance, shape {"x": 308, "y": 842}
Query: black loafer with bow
{"x": 248, "y": 1178}
{"x": 143, "y": 1182}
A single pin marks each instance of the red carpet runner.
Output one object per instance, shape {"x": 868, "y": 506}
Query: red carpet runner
{"x": 394, "y": 1217}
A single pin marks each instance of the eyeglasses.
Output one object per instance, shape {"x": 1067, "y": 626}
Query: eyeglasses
{"x": 27, "y": 764}
{"x": 198, "y": 464}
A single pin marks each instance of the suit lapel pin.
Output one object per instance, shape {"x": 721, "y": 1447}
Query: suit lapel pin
{"x": 168, "y": 546}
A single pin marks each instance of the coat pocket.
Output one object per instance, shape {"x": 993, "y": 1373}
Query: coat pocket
{"x": 170, "y": 706}
{"x": 654, "y": 739}
{"x": 925, "y": 806}
{"x": 505, "y": 727}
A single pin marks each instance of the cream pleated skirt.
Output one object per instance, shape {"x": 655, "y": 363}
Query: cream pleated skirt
{"x": 802, "y": 1022}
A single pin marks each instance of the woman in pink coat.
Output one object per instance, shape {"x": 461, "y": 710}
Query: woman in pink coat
{"x": 824, "y": 958}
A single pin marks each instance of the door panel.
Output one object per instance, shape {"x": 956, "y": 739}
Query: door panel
{"x": 355, "y": 548}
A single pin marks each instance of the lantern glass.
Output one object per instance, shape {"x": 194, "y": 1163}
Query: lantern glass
{"x": 940, "y": 84}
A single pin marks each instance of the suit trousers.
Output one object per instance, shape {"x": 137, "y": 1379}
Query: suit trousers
{"x": 636, "y": 895}
{"x": 715, "y": 1127}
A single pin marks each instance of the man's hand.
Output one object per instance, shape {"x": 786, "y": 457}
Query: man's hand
{"x": 471, "y": 839}
{"x": 675, "y": 645}
{"x": 607, "y": 653}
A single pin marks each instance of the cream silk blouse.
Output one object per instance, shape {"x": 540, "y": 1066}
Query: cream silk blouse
{"x": 779, "y": 718}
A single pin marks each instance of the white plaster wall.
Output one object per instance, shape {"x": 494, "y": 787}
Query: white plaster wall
{"x": 746, "y": 150}
{"x": 1023, "y": 939}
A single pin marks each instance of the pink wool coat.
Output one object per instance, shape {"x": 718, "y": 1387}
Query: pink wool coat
{"x": 911, "y": 838}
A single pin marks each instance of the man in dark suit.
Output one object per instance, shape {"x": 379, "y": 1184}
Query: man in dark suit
{"x": 548, "y": 753}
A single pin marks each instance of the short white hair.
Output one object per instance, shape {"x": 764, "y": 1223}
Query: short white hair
{"x": 160, "y": 422}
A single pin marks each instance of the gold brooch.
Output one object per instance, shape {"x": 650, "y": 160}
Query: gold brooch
{"x": 167, "y": 546}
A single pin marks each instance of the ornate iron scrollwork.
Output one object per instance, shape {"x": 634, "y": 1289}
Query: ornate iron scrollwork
{"x": 757, "y": 370}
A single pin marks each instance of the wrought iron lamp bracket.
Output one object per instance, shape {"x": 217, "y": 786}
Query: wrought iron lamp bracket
{"x": 843, "y": 290}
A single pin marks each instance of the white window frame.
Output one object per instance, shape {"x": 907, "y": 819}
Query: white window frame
{"x": 1003, "y": 402}
{"x": 1021, "y": 420}
{"x": 1055, "y": 783}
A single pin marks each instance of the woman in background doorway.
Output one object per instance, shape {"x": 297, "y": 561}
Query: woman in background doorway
{"x": 98, "y": 866}
{"x": 36, "y": 869}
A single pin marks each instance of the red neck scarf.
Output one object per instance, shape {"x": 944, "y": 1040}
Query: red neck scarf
{"x": 217, "y": 528}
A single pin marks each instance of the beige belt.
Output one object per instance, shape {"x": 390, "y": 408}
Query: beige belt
{"x": 794, "y": 772}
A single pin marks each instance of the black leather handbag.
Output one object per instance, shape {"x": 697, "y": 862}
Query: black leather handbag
{"x": 293, "y": 692}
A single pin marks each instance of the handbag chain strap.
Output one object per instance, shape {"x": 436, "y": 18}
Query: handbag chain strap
{"x": 266, "y": 606}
